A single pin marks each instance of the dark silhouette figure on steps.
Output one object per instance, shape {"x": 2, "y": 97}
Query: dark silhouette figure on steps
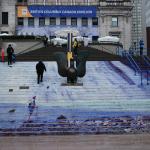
{"x": 40, "y": 68}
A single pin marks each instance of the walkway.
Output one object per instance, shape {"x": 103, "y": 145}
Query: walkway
{"x": 94, "y": 142}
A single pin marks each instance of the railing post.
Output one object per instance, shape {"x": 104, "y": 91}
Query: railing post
{"x": 147, "y": 77}
{"x": 141, "y": 78}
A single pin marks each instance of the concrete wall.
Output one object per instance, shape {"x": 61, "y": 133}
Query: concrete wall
{"x": 21, "y": 46}
{"x": 109, "y": 48}
{"x": 8, "y": 6}
{"x": 124, "y": 25}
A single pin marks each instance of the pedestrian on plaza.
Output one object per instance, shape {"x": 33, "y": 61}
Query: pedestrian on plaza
{"x": 141, "y": 43}
{"x": 10, "y": 52}
{"x": 40, "y": 68}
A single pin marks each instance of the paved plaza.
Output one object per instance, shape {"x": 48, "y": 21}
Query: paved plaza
{"x": 77, "y": 142}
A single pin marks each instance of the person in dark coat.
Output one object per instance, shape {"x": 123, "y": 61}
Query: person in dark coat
{"x": 10, "y": 51}
{"x": 75, "y": 51}
{"x": 45, "y": 41}
{"x": 40, "y": 68}
{"x": 141, "y": 43}
{"x": 75, "y": 47}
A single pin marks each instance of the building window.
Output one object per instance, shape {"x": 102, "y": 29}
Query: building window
{"x": 4, "y": 32}
{"x": 52, "y": 21}
{"x": 116, "y": 34}
{"x": 114, "y": 22}
{"x": 95, "y": 21}
{"x": 63, "y": 21}
{"x": 95, "y": 38}
{"x": 30, "y": 21}
{"x": 84, "y": 21}
{"x": 5, "y": 18}
{"x": 74, "y": 21}
{"x": 42, "y": 21}
{"x": 20, "y": 22}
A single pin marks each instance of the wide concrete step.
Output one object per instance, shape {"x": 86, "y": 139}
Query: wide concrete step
{"x": 109, "y": 89}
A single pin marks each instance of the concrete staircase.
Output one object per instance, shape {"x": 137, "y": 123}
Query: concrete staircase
{"x": 96, "y": 107}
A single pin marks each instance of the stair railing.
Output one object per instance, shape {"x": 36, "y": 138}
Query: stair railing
{"x": 137, "y": 68}
{"x": 146, "y": 59}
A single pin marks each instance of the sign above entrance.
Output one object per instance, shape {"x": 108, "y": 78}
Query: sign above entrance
{"x": 56, "y": 11}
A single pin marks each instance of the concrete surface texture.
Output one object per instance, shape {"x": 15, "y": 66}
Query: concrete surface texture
{"x": 110, "y": 100}
{"x": 77, "y": 142}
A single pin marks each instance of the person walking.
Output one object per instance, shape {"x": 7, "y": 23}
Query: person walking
{"x": 141, "y": 43}
{"x": 10, "y": 51}
{"x": 40, "y": 68}
{"x": 45, "y": 40}
{"x": 75, "y": 47}
{"x": 75, "y": 51}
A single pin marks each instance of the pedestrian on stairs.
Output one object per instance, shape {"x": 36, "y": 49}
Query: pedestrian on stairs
{"x": 141, "y": 43}
{"x": 40, "y": 68}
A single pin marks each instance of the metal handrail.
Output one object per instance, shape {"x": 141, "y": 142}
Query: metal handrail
{"x": 137, "y": 67}
{"x": 147, "y": 60}
{"x": 132, "y": 64}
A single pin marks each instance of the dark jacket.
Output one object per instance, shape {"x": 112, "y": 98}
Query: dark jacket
{"x": 40, "y": 67}
{"x": 10, "y": 50}
{"x": 141, "y": 43}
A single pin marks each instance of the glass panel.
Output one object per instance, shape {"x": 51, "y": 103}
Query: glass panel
{"x": 42, "y": 21}
{"x": 30, "y": 21}
{"x": 62, "y": 21}
{"x": 95, "y": 21}
{"x": 74, "y": 21}
{"x": 84, "y": 22}
{"x": 20, "y": 21}
{"x": 52, "y": 21}
{"x": 5, "y": 18}
{"x": 114, "y": 21}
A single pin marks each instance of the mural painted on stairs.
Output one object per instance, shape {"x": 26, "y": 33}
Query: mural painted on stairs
{"x": 111, "y": 100}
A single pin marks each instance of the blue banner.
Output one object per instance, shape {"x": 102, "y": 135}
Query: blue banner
{"x": 62, "y": 11}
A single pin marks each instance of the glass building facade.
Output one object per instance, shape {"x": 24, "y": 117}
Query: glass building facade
{"x": 137, "y": 33}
